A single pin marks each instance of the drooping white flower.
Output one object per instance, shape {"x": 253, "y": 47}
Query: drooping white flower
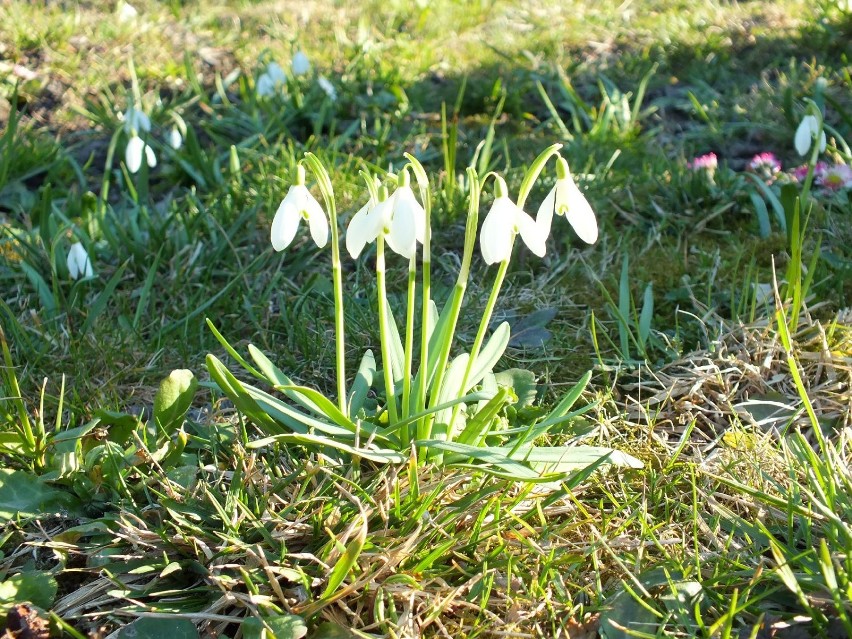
{"x": 362, "y": 228}
{"x": 78, "y": 262}
{"x": 297, "y": 205}
{"x": 505, "y": 220}
{"x": 136, "y": 120}
{"x": 270, "y": 80}
{"x": 175, "y": 138}
{"x": 133, "y": 154}
{"x": 300, "y": 65}
{"x": 805, "y": 134}
{"x": 566, "y": 199}
{"x": 408, "y": 212}
{"x": 126, "y": 12}
{"x": 326, "y": 85}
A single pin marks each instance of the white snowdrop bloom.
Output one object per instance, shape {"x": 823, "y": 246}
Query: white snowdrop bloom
{"x": 326, "y": 85}
{"x": 805, "y": 134}
{"x": 175, "y": 138}
{"x": 79, "y": 264}
{"x": 269, "y": 82}
{"x": 566, "y": 199}
{"x": 136, "y": 120}
{"x": 362, "y": 229}
{"x": 297, "y": 205}
{"x": 126, "y": 12}
{"x": 300, "y": 65}
{"x": 505, "y": 220}
{"x": 133, "y": 154}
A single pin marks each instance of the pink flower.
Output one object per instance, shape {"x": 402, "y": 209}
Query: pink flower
{"x": 835, "y": 177}
{"x": 707, "y": 162}
{"x": 764, "y": 163}
{"x": 801, "y": 172}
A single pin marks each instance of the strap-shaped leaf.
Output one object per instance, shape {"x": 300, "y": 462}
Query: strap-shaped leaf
{"x": 451, "y": 388}
{"x": 489, "y": 355}
{"x": 232, "y": 351}
{"x": 646, "y": 315}
{"x": 397, "y": 351}
{"x": 491, "y": 459}
{"x": 276, "y": 377}
{"x": 379, "y": 455}
{"x": 569, "y": 398}
{"x": 478, "y": 428}
{"x": 233, "y": 388}
{"x": 324, "y": 405}
{"x": 362, "y": 384}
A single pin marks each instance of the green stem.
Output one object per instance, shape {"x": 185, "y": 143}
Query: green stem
{"x": 409, "y": 338}
{"x": 480, "y": 335}
{"x": 384, "y": 330}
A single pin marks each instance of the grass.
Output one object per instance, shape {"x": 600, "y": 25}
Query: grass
{"x": 740, "y": 519}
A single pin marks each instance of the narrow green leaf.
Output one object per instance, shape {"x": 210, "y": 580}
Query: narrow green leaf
{"x": 362, "y": 384}
{"x": 645, "y": 316}
{"x": 489, "y": 355}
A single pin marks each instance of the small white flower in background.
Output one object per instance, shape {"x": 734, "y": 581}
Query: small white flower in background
{"x": 78, "y": 262}
{"x": 297, "y": 205}
{"x": 270, "y": 80}
{"x": 300, "y": 65}
{"x": 806, "y": 133}
{"x": 503, "y": 222}
{"x": 175, "y": 138}
{"x": 133, "y": 154}
{"x": 566, "y": 199}
{"x": 126, "y": 12}
{"x": 326, "y": 85}
{"x": 135, "y": 120}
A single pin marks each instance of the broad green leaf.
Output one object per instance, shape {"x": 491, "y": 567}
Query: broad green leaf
{"x": 35, "y": 587}
{"x": 173, "y": 399}
{"x": 330, "y": 630}
{"x": 23, "y": 495}
{"x": 282, "y": 626}
{"x": 451, "y": 388}
{"x": 622, "y": 617}
{"x": 48, "y": 303}
{"x": 530, "y": 331}
{"x": 522, "y": 382}
{"x": 324, "y": 405}
{"x": 762, "y": 214}
{"x": 159, "y": 627}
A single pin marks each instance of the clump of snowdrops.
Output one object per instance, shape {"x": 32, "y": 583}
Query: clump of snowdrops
{"x": 420, "y": 400}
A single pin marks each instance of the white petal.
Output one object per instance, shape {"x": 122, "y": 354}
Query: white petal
{"x": 406, "y": 204}
{"x": 495, "y": 238}
{"x": 822, "y": 142}
{"x": 805, "y": 134}
{"x": 143, "y": 121}
{"x": 175, "y": 139}
{"x": 133, "y": 154}
{"x": 275, "y": 73}
{"x": 577, "y": 210}
{"x": 532, "y": 234}
{"x": 318, "y": 224}
{"x": 402, "y": 238}
{"x": 301, "y": 65}
{"x": 286, "y": 222}
{"x": 150, "y": 157}
{"x": 357, "y": 234}
{"x": 265, "y": 86}
{"x": 544, "y": 217}
{"x": 328, "y": 88}
{"x": 78, "y": 262}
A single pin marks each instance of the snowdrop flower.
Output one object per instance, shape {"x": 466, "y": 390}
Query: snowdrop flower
{"x": 126, "y": 12}
{"x": 133, "y": 154}
{"x": 78, "y": 262}
{"x": 300, "y": 65}
{"x": 175, "y": 138}
{"x": 503, "y": 222}
{"x": 805, "y": 134}
{"x": 297, "y": 205}
{"x": 327, "y": 87}
{"x": 136, "y": 120}
{"x": 269, "y": 81}
{"x": 566, "y": 199}
{"x": 399, "y": 219}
